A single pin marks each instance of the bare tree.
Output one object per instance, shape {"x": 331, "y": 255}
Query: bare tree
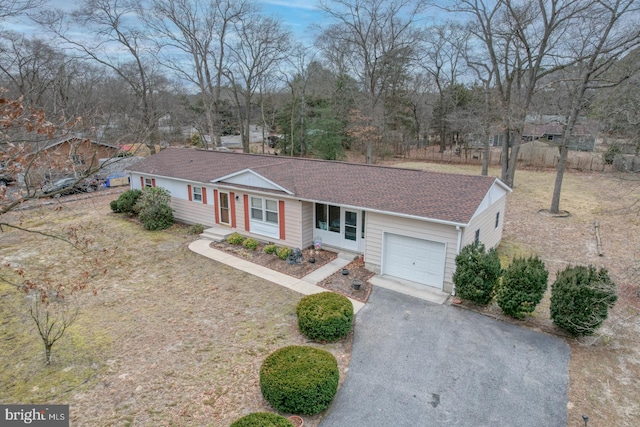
{"x": 608, "y": 32}
{"x": 52, "y": 315}
{"x": 11, "y": 8}
{"x": 522, "y": 42}
{"x": 442, "y": 53}
{"x": 53, "y": 305}
{"x": 259, "y": 45}
{"x": 114, "y": 39}
{"x": 200, "y": 30}
{"x": 372, "y": 41}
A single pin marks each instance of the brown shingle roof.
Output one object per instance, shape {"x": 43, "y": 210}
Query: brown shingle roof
{"x": 445, "y": 197}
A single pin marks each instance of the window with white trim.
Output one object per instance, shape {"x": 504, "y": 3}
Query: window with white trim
{"x": 477, "y": 239}
{"x": 497, "y": 219}
{"x": 264, "y": 210}
{"x": 148, "y": 182}
{"x": 197, "y": 194}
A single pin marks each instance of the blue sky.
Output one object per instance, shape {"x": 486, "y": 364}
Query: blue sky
{"x": 298, "y": 15}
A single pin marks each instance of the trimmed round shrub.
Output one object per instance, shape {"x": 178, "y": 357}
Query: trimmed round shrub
{"x": 299, "y": 379}
{"x": 235, "y": 239}
{"x": 580, "y": 299}
{"x": 523, "y": 285}
{"x": 262, "y": 419}
{"x": 477, "y": 273}
{"x": 283, "y": 253}
{"x": 251, "y": 244}
{"x": 126, "y": 202}
{"x": 325, "y": 317}
{"x": 270, "y": 249}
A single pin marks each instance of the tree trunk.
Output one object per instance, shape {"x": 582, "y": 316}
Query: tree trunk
{"x": 555, "y": 199}
{"x": 504, "y": 161}
{"x": 487, "y": 154}
{"x": 47, "y": 353}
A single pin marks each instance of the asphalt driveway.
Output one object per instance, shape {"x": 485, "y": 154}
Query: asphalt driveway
{"x": 415, "y": 363}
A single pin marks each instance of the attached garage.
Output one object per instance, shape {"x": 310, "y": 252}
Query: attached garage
{"x": 417, "y": 260}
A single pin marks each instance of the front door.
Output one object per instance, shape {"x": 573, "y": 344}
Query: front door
{"x": 224, "y": 208}
{"x": 350, "y": 231}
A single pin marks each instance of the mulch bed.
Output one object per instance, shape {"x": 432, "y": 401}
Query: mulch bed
{"x": 337, "y": 282}
{"x": 343, "y": 284}
{"x": 272, "y": 261}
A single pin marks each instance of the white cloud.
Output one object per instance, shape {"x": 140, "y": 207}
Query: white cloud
{"x": 292, "y": 4}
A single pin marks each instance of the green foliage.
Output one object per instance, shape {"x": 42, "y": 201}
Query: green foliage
{"x": 477, "y": 273}
{"x": 126, "y": 202}
{"x": 251, "y": 244}
{"x": 325, "y": 317}
{"x": 235, "y": 239}
{"x": 322, "y": 133}
{"x": 611, "y": 153}
{"x": 262, "y": 419}
{"x": 299, "y": 379}
{"x": 196, "y": 229}
{"x": 154, "y": 209}
{"x": 196, "y": 140}
{"x": 283, "y": 252}
{"x": 523, "y": 285}
{"x": 158, "y": 217}
{"x": 270, "y": 249}
{"x": 580, "y": 299}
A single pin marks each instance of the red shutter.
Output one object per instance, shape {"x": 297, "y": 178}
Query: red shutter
{"x": 190, "y": 194}
{"x": 204, "y": 195}
{"x": 246, "y": 213}
{"x": 232, "y": 206}
{"x": 141, "y": 183}
{"x": 216, "y": 206}
{"x": 281, "y": 218}
{"x": 153, "y": 182}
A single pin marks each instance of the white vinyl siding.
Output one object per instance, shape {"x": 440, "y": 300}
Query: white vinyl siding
{"x": 490, "y": 235}
{"x": 307, "y": 223}
{"x": 193, "y": 213}
{"x": 292, "y": 222}
{"x": 378, "y": 224}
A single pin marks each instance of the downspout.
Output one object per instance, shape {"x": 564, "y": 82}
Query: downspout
{"x": 458, "y": 249}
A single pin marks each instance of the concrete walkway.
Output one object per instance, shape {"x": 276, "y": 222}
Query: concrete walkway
{"x": 306, "y": 285}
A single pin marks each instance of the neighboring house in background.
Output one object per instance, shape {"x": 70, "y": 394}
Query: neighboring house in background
{"x": 68, "y": 155}
{"x": 550, "y": 129}
{"x": 408, "y": 223}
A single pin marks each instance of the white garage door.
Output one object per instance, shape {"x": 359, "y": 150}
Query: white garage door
{"x": 417, "y": 260}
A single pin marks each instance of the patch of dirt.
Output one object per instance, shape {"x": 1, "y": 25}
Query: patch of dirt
{"x": 272, "y": 261}
{"x": 344, "y": 284}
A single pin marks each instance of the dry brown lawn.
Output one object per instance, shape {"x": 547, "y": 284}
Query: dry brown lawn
{"x": 175, "y": 339}
{"x": 171, "y": 338}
